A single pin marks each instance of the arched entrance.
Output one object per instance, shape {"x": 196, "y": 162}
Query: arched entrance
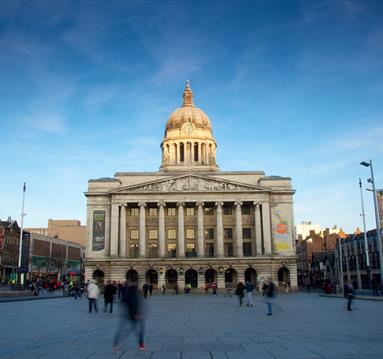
{"x": 132, "y": 276}
{"x": 231, "y": 276}
{"x": 152, "y": 277}
{"x": 283, "y": 276}
{"x": 98, "y": 275}
{"x": 251, "y": 276}
{"x": 171, "y": 278}
{"x": 210, "y": 276}
{"x": 191, "y": 277}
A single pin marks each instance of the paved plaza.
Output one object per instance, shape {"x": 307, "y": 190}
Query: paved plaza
{"x": 304, "y": 326}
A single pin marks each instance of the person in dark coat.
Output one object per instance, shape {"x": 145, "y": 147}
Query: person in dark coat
{"x": 270, "y": 296}
{"x": 110, "y": 292}
{"x": 133, "y": 314}
{"x": 145, "y": 288}
{"x": 240, "y": 292}
{"x": 349, "y": 294}
{"x": 150, "y": 289}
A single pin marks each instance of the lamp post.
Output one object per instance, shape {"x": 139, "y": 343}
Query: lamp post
{"x": 377, "y": 220}
{"x": 21, "y": 233}
{"x": 368, "y": 269}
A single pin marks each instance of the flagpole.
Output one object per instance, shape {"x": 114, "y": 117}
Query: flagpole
{"x": 368, "y": 269}
{"x": 21, "y": 231}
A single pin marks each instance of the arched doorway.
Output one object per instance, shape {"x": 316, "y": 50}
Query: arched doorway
{"x": 251, "y": 276}
{"x": 231, "y": 276}
{"x": 171, "y": 278}
{"x": 210, "y": 276}
{"x": 132, "y": 276}
{"x": 191, "y": 277}
{"x": 152, "y": 277}
{"x": 98, "y": 275}
{"x": 283, "y": 276}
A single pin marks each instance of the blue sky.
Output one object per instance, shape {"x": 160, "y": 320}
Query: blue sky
{"x": 292, "y": 88}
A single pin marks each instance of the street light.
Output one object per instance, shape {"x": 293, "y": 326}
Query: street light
{"x": 377, "y": 220}
{"x": 368, "y": 269}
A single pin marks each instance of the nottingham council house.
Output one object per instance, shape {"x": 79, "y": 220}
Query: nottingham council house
{"x": 190, "y": 223}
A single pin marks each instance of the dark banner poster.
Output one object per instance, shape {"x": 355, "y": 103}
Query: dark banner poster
{"x": 98, "y": 230}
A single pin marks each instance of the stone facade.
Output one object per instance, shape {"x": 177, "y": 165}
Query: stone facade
{"x": 191, "y": 222}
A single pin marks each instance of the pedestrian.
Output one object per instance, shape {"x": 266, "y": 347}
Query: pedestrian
{"x": 145, "y": 288}
{"x": 93, "y": 292}
{"x": 176, "y": 289}
{"x": 269, "y": 296}
{"x": 214, "y": 288}
{"x": 109, "y": 293}
{"x": 133, "y": 314}
{"x": 249, "y": 293}
{"x": 76, "y": 290}
{"x": 119, "y": 287}
{"x": 349, "y": 294}
{"x": 240, "y": 292}
{"x": 150, "y": 289}
{"x": 163, "y": 289}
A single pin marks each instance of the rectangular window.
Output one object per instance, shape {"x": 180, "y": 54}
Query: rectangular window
{"x": 227, "y": 210}
{"x": 228, "y": 247}
{"x": 208, "y": 211}
{"x": 245, "y": 209}
{"x": 134, "y": 211}
{"x": 134, "y": 234}
{"x": 153, "y": 211}
{"x": 172, "y": 234}
{"x": 152, "y": 250}
{"x": 210, "y": 249}
{"x": 172, "y": 250}
{"x": 190, "y": 233}
{"x": 190, "y": 250}
{"x": 171, "y": 211}
{"x": 209, "y": 233}
{"x": 134, "y": 250}
{"x": 190, "y": 211}
{"x": 152, "y": 233}
{"x": 228, "y": 233}
{"x": 246, "y": 233}
{"x": 247, "y": 249}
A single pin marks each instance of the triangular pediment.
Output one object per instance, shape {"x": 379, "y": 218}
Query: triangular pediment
{"x": 190, "y": 183}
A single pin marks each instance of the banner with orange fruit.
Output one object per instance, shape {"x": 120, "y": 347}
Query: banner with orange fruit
{"x": 281, "y": 228}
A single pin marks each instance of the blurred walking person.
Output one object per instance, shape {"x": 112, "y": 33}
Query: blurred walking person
{"x": 93, "y": 293}
{"x": 240, "y": 292}
{"x": 109, "y": 293}
{"x": 132, "y": 314}
{"x": 249, "y": 293}
{"x": 269, "y": 296}
{"x": 349, "y": 294}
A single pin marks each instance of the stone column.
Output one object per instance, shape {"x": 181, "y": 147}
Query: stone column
{"x": 123, "y": 231}
{"x": 178, "y": 153}
{"x": 161, "y": 229}
{"x": 200, "y": 239}
{"x": 220, "y": 251}
{"x": 199, "y": 153}
{"x": 358, "y": 276}
{"x": 258, "y": 229}
{"x": 206, "y": 153}
{"x": 114, "y": 230}
{"x": 238, "y": 228}
{"x": 89, "y": 223}
{"x": 346, "y": 251}
{"x": 142, "y": 237}
{"x": 181, "y": 231}
{"x": 266, "y": 224}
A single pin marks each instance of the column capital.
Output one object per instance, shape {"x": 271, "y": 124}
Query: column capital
{"x": 141, "y": 204}
{"x": 198, "y": 204}
{"x": 257, "y": 203}
{"x": 180, "y": 204}
{"x": 238, "y": 203}
{"x": 219, "y": 204}
{"x": 161, "y": 204}
{"x": 123, "y": 205}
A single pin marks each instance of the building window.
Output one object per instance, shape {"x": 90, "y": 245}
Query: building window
{"x": 134, "y": 250}
{"x": 247, "y": 249}
{"x": 171, "y": 211}
{"x": 134, "y": 211}
{"x": 172, "y": 250}
{"x": 209, "y": 233}
{"x": 210, "y": 249}
{"x": 134, "y": 234}
{"x": 196, "y": 152}
{"x": 227, "y": 210}
{"x": 228, "y": 247}
{"x": 246, "y": 209}
{"x": 190, "y": 250}
{"x": 152, "y": 250}
{"x": 153, "y": 234}
{"x": 208, "y": 211}
{"x": 153, "y": 211}
{"x": 190, "y": 233}
{"x": 246, "y": 233}
{"x": 182, "y": 150}
{"x": 228, "y": 233}
{"x": 172, "y": 234}
{"x": 190, "y": 211}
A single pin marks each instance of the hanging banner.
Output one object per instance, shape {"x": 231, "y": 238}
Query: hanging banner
{"x": 98, "y": 243}
{"x": 281, "y": 230}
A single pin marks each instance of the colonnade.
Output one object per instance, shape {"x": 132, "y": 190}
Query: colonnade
{"x": 118, "y": 235}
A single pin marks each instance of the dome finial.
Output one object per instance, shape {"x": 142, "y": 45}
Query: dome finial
{"x": 188, "y": 95}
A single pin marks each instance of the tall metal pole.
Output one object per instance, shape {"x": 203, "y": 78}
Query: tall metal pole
{"x": 21, "y": 231}
{"x": 341, "y": 265}
{"x": 377, "y": 220}
{"x": 368, "y": 269}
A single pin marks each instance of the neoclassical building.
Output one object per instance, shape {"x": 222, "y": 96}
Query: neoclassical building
{"x": 190, "y": 222}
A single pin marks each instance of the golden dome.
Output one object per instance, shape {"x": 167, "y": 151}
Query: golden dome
{"x": 188, "y": 113}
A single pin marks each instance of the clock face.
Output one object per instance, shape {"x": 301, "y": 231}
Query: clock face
{"x": 187, "y": 128}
